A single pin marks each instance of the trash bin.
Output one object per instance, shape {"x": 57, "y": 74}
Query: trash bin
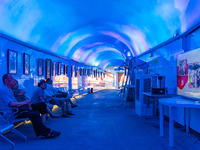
{"x": 88, "y": 90}
{"x": 91, "y": 91}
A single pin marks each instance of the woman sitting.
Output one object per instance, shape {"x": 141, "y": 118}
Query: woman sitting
{"x": 39, "y": 96}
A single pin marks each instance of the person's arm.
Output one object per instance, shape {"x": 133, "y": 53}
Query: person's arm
{"x": 10, "y": 100}
{"x": 41, "y": 98}
{"x": 18, "y": 104}
{"x": 22, "y": 92}
{"x": 55, "y": 90}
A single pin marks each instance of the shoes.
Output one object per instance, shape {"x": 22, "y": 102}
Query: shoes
{"x": 52, "y": 134}
{"x": 70, "y": 113}
{"x": 65, "y": 115}
{"x": 73, "y": 106}
{"x": 56, "y": 116}
{"x": 55, "y": 133}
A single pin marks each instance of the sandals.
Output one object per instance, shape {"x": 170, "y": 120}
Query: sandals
{"x": 52, "y": 134}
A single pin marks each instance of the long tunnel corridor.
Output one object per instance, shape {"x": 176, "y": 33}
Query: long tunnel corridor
{"x": 102, "y": 123}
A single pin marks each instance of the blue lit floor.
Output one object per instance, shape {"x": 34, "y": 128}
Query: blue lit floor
{"x": 101, "y": 123}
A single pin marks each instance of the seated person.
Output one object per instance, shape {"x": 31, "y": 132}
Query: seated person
{"x": 7, "y": 98}
{"x": 40, "y": 107}
{"x": 56, "y": 93}
{"x": 39, "y": 96}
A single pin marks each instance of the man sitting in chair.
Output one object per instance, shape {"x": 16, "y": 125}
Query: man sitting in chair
{"x": 7, "y": 98}
{"x": 56, "y": 93}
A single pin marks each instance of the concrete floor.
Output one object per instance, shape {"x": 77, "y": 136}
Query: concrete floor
{"x": 101, "y": 123}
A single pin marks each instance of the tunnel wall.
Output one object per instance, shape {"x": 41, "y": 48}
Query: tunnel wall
{"x": 163, "y": 61}
{"x": 27, "y": 81}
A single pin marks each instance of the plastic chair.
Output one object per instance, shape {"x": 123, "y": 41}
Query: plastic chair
{"x": 5, "y": 126}
{"x": 11, "y": 114}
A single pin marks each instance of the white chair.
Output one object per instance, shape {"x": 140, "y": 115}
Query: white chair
{"x": 11, "y": 114}
{"x": 6, "y": 126}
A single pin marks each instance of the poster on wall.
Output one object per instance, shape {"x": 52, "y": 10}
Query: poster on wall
{"x": 62, "y": 69}
{"x": 72, "y": 71}
{"x": 188, "y": 74}
{"x": 48, "y": 68}
{"x": 54, "y": 68}
{"x": 77, "y": 71}
{"x": 12, "y": 61}
{"x": 65, "y": 69}
{"x": 40, "y": 67}
{"x": 59, "y": 68}
{"x": 26, "y": 64}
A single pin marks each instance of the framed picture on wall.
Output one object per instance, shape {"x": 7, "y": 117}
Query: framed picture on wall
{"x": 59, "y": 68}
{"x": 72, "y": 71}
{"x": 54, "y": 68}
{"x": 62, "y": 69}
{"x": 40, "y": 67}
{"x": 12, "y": 61}
{"x": 65, "y": 69}
{"x": 26, "y": 64}
{"x": 48, "y": 68}
{"x": 77, "y": 71}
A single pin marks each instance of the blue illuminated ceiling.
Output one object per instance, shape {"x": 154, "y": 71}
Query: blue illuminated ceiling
{"x": 97, "y": 32}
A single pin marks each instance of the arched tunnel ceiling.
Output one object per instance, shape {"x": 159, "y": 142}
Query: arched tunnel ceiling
{"x": 97, "y": 32}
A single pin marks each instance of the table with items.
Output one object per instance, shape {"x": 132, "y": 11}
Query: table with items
{"x": 150, "y": 98}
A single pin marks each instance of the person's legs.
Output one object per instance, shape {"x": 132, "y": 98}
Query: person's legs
{"x": 38, "y": 126}
{"x": 65, "y": 95}
{"x": 52, "y": 114}
{"x": 72, "y": 104}
{"x": 44, "y": 118}
{"x": 43, "y": 109}
{"x": 61, "y": 103}
{"x": 67, "y": 107}
{"x": 40, "y": 107}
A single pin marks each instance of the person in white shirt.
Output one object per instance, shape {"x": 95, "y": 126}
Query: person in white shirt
{"x": 57, "y": 96}
{"x": 55, "y": 92}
